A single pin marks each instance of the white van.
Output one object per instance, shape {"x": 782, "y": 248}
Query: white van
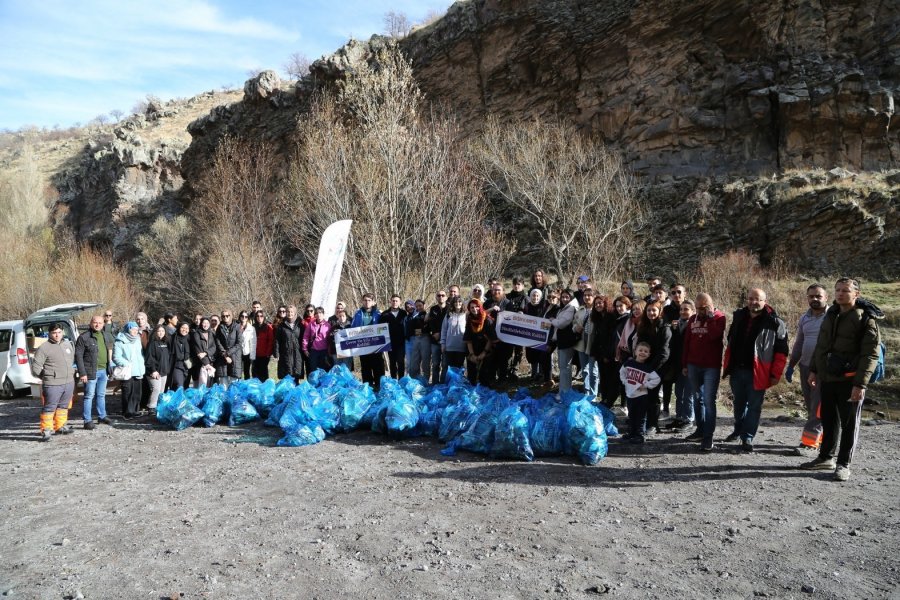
{"x": 19, "y": 340}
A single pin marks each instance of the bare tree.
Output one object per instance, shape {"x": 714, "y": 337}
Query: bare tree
{"x": 577, "y": 193}
{"x": 370, "y": 155}
{"x": 297, "y": 65}
{"x": 234, "y": 215}
{"x": 170, "y": 266}
{"x": 396, "y": 24}
{"x": 116, "y": 114}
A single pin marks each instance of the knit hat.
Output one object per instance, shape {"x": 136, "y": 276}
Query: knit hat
{"x": 129, "y": 325}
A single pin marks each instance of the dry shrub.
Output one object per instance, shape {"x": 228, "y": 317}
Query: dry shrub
{"x": 90, "y": 276}
{"x": 373, "y": 155}
{"x": 729, "y": 277}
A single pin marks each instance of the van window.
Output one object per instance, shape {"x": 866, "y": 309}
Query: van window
{"x": 5, "y": 339}
{"x": 42, "y": 330}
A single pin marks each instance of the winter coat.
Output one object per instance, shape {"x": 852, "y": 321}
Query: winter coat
{"x": 416, "y": 323}
{"x": 396, "y": 328}
{"x": 289, "y": 347}
{"x": 265, "y": 340}
{"x": 517, "y": 301}
{"x": 434, "y": 322}
{"x": 770, "y": 345}
{"x": 181, "y": 351}
{"x": 198, "y": 345}
{"x": 248, "y": 341}
{"x": 54, "y": 363}
{"x": 452, "y": 332}
{"x": 563, "y": 321}
{"x": 658, "y": 338}
{"x": 158, "y": 357}
{"x": 87, "y": 350}
{"x": 228, "y": 344}
{"x": 588, "y": 331}
{"x": 129, "y": 353}
{"x": 704, "y": 341}
{"x": 359, "y": 317}
{"x": 336, "y": 325}
{"x": 854, "y": 337}
{"x": 316, "y": 335}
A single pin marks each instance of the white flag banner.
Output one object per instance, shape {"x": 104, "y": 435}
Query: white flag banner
{"x": 329, "y": 264}
{"x": 523, "y": 330}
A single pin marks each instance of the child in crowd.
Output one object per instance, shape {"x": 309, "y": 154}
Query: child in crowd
{"x": 638, "y": 379}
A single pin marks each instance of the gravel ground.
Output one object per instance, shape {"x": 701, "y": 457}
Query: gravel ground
{"x": 135, "y": 511}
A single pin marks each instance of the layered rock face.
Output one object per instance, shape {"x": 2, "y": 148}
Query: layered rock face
{"x": 684, "y": 88}
{"x": 719, "y": 102}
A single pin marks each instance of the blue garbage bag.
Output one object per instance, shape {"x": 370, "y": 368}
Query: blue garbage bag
{"x": 455, "y": 376}
{"x": 195, "y": 395}
{"x": 479, "y": 437}
{"x": 304, "y": 435}
{"x": 241, "y": 409}
{"x": 609, "y": 419}
{"x": 414, "y": 388}
{"x": 176, "y": 411}
{"x": 315, "y": 378}
{"x": 456, "y": 418}
{"x": 402, "y": 415}
{"x": 294, "y": 415}
{"x": 548, "y": 429}
{"x": 215, "y": 406}
{"x": 320, "y": 408}
{"x": 264, "y": 400}
{"x": 283, "y": 388}
{"x": 586, "y": 432}
{"x": 354, "y": 403}
{"x": 511, "y": 435}
{"x": 275, "y": 414}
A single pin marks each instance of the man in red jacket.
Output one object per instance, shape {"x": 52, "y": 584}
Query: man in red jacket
{"x": 755, "y": 358}
{"x": 701, "y": 361}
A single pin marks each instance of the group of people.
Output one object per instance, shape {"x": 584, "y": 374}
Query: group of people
{"x": 637, "y": 351}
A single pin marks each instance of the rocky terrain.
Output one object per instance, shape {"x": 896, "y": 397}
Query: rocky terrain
{"x": 760, "y": 125}
{"x": 135, "y": 511}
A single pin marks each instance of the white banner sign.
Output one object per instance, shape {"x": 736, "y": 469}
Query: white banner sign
{"x": 329, "y": 265}
{"x": 359, "y": 341}
{"x": 523, "y": 330}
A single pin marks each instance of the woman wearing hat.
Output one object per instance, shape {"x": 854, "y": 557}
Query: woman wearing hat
{"x": 128, "y": 356}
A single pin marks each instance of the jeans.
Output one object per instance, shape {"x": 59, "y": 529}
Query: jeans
{"x": 747, "y": 403}
{"x": 420, "y": 357}
{"x": 565, "y": 369}
{"x": 438, "y": 365}
{"x": 705, "y": 383}
{"x": 590, "y": 371}
{"x": 95, "y": 388}
{"x": 684, "y": 399}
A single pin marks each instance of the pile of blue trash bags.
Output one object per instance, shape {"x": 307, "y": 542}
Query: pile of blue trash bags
{"x": 465, "y": 417}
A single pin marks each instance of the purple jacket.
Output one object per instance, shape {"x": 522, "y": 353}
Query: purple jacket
{"x": 316, "y": 334}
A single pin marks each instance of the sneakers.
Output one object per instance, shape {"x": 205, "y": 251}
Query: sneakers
{"x": 697, "y": 436}
{"x": 89, "y": 425}
{"x": 733, "y": 437}
{"x": 46, "y": 435}
{"x": 842, "y": 473}
{"x": 64, "y": 430}
{"x": 819, "y": 464}
{"x": 706, "y": 447}
{"x": 806, "y": 451}
{"x": 107, "y": 421}
{"x": 620, "y": 411}
{"x": 746, "y": 446}
{"x": 636, "y": 439}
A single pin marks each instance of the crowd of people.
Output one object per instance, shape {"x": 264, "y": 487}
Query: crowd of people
{"x": 632, "y": 353}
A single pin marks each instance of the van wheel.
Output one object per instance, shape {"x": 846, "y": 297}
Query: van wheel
{"x": 7, "y": 390}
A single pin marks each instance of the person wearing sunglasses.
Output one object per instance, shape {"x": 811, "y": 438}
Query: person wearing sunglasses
{"x": 109, "y": 326}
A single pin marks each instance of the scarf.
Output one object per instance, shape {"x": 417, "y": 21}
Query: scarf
{"x": 475, "y": 323}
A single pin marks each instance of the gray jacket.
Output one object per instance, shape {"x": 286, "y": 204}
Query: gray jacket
{"x": 53, "y": 363}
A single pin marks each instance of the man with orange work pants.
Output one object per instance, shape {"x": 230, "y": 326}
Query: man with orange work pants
{"x": 53, "y": 364}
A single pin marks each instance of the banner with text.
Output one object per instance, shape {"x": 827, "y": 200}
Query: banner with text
{"x": 329, "y": 264}
{"x": 523, "y": 330}
{"x": 359, "y": 341}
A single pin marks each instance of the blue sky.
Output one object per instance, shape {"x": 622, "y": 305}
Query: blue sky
{"x": 65, "y": 62}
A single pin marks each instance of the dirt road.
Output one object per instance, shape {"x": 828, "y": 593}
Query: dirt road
{"x": 135, "y": 511}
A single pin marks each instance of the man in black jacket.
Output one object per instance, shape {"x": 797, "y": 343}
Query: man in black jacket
{"x": 433, "y": 322}
{"x": 93, "y": 355}
{"x": 499, "y": 358}
{"x": 395, "y": 317}
{"x": 289, "y": 345}
{"x": 228, "y": 349}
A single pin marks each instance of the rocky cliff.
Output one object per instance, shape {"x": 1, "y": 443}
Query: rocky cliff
{"x": 718, "y": 106}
